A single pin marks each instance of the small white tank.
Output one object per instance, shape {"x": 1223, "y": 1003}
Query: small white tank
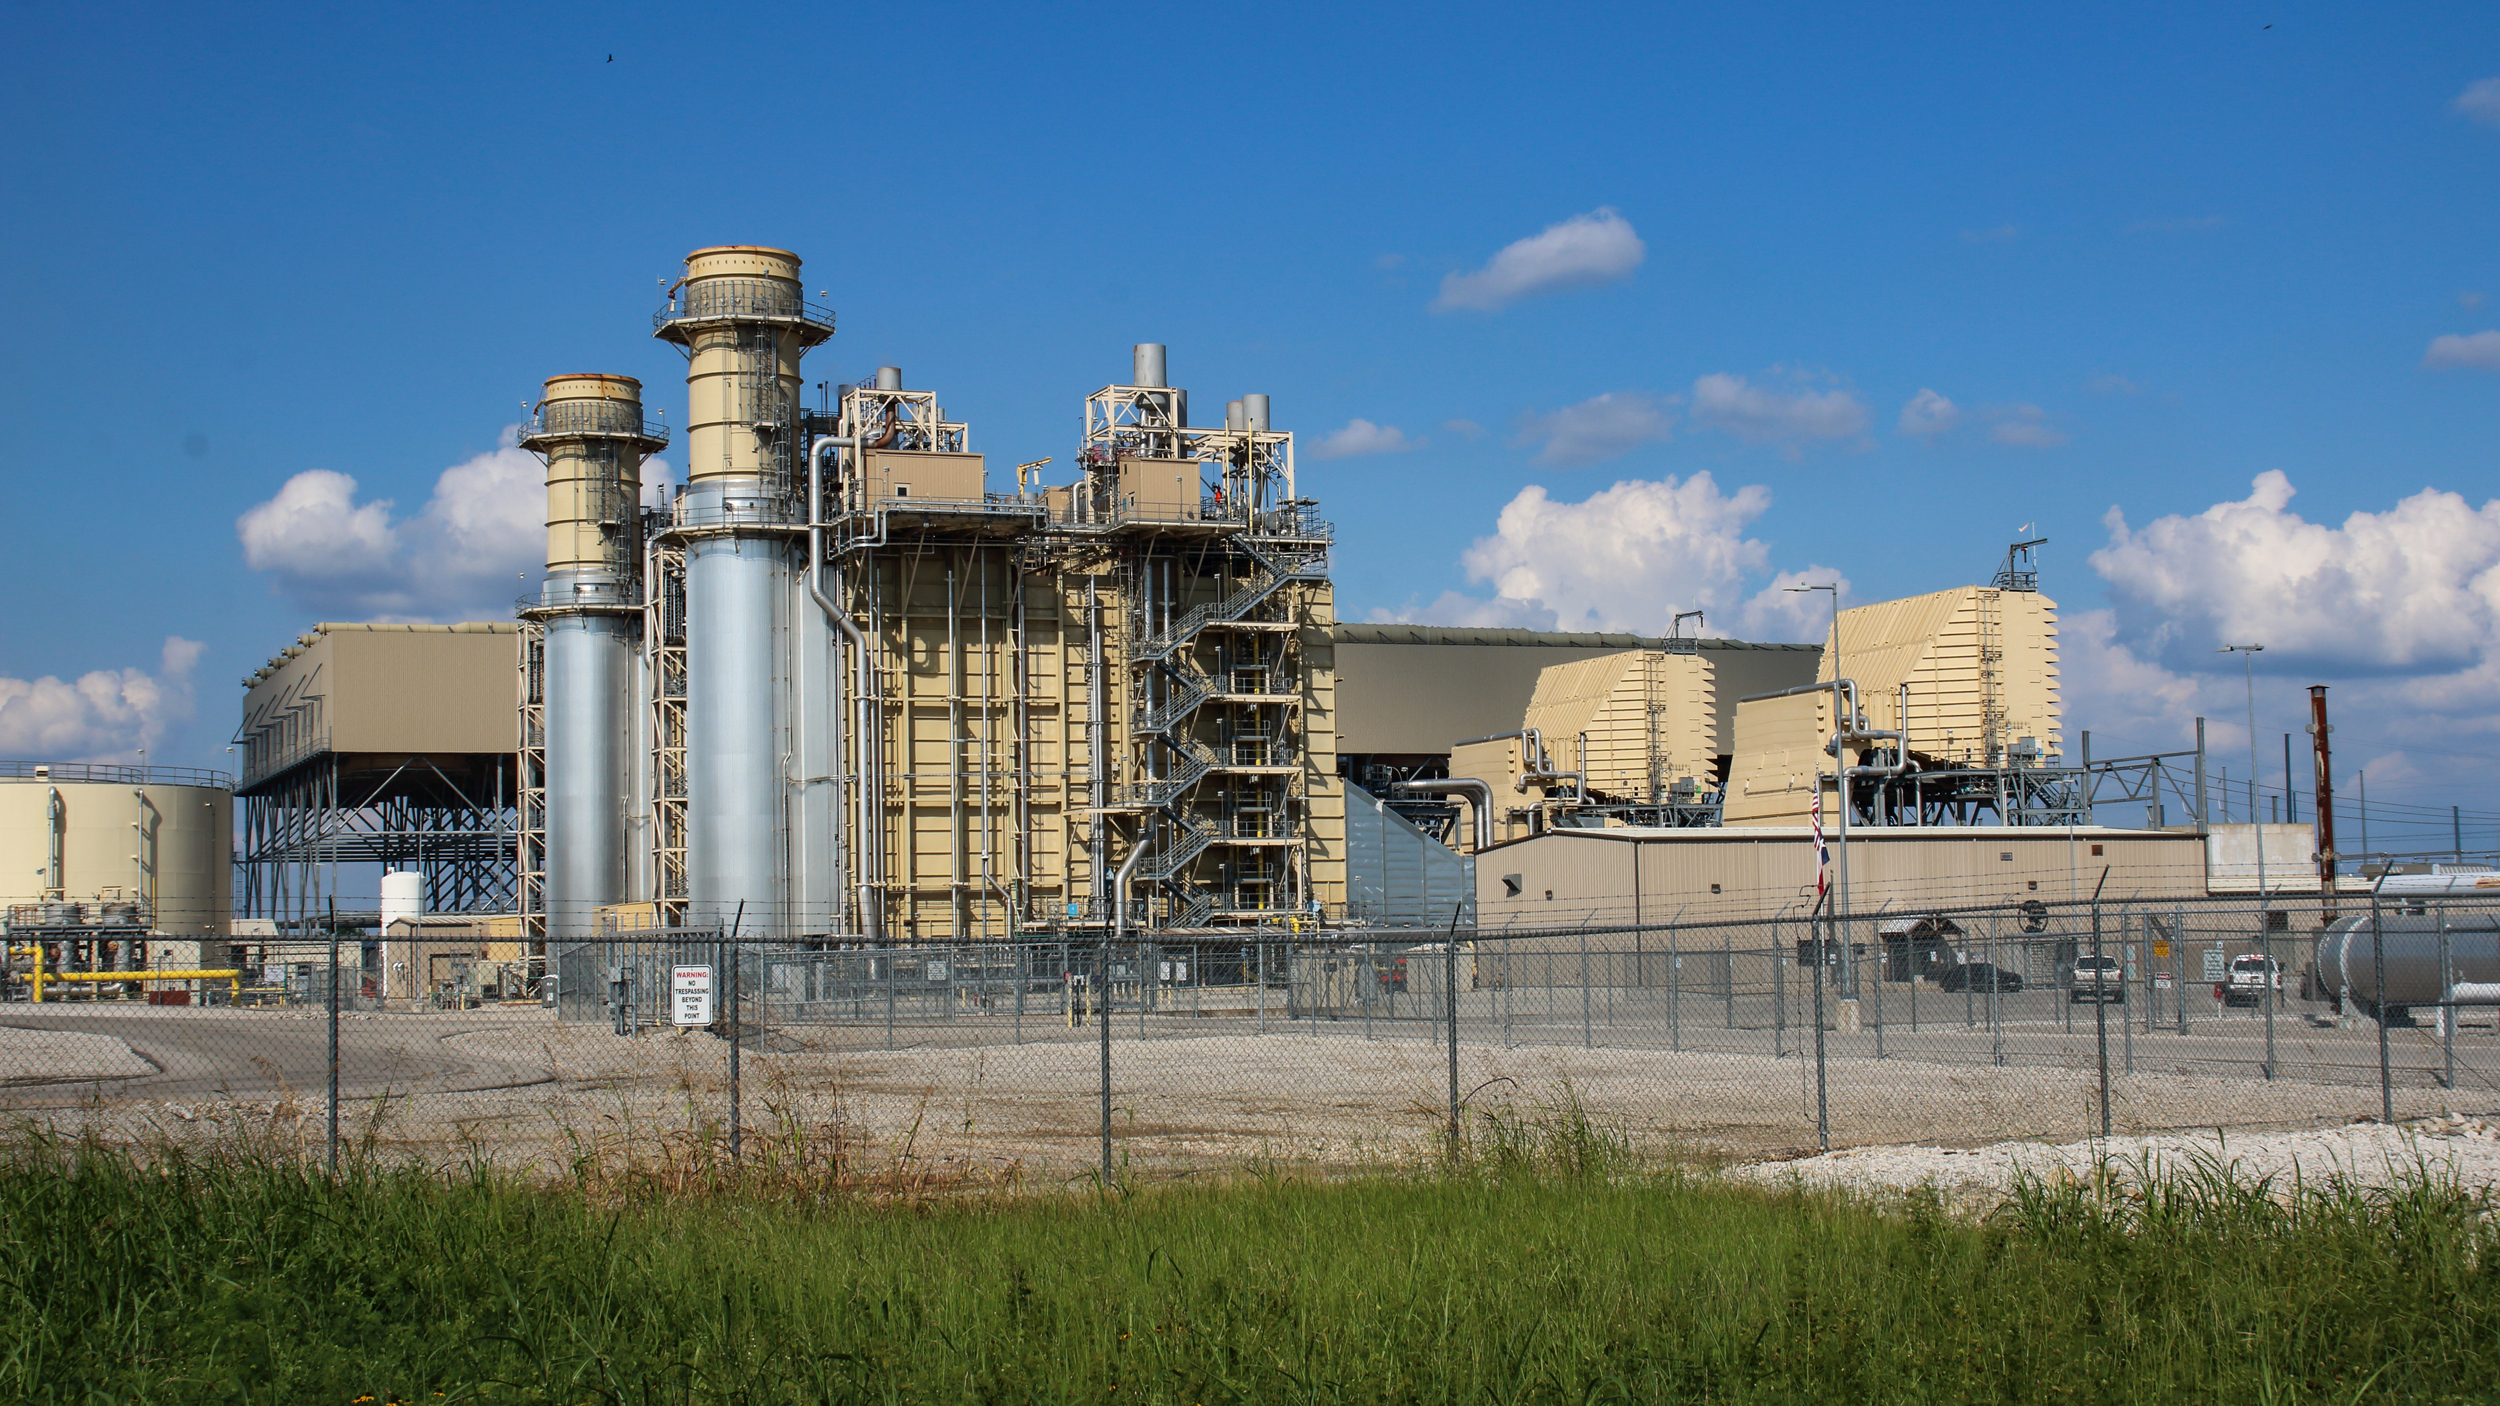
{"x": 403, "y": 897}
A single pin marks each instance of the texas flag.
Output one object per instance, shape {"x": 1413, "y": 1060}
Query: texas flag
{"x": 1822, "y": 853}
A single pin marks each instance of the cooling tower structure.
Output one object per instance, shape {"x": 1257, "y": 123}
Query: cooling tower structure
{"x": 871, "y": 697}
{"x": 589, "y": 430}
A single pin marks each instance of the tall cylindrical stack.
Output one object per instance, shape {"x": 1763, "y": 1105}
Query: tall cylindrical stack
{"x": 742, "y": 318}
{"x": 589, "y": 430}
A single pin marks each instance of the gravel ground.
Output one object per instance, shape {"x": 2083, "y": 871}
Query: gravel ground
{"x": 2368, "y": 1154}
{"x": 532, "y": 1093}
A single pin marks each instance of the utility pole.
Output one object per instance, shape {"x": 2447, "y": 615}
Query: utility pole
{"x": 1842, "y": 725}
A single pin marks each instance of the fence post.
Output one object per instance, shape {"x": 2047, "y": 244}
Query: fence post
{"x": 1450, "y": 984}
{"x": 1779, "y": 994}
{"x": 2178, "y": 964}
{"x": 2127, "y": 951}
{"x": 2378, "y": 990}
{"x": 1587, "y": 1036}
{"x": 1996, "y": 980}
{"x": 1727, "y": 970}
{"x": 737, "y": 1100}
{"x": 1822, "y": 1104}
{"x": 2447, "y": 1003}
{"x": 1102, "y": 1033}
{"x": 334, "y": 1038}
{"x": 1875, "y": 926}
{"x": 2100, "y": 1003}
{"x": 2265, "y": 946}
{"x": 1675, "y": 984}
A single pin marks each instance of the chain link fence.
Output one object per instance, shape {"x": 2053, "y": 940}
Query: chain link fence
{"x": 1066, "y": 1059}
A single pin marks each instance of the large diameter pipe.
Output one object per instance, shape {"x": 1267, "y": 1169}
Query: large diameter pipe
{"x": 1147, "y": 365}
{"x": 1474, "y": 790}
{"x": 869, "y": 829}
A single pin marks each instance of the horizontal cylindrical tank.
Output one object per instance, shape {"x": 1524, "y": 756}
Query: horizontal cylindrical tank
{"x": 96, "y": 835}
{"x": 2348, "y": 960}
{"x": 1147, "y": 364}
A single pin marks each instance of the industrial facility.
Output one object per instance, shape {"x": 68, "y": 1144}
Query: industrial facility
{"x": 850, "y": 687}
{"x": 847, "y": 688}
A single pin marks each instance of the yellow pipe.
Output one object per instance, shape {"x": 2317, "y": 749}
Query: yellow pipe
{"x": 233, "y": 977}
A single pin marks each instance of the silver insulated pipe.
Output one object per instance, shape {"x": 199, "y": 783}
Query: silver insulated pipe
{"x": 1148, "y": 369}
{"x": 589, "y": 431}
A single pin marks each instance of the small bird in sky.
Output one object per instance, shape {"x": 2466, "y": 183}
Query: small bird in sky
{"x": 612, "y": 57}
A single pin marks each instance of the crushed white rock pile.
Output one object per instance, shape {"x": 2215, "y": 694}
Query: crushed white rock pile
{"x": 2368, "y": 1154}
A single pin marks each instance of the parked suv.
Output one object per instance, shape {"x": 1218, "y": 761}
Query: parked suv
{"x": 2100, "y": 978}
{"x": 2245, "y": 983}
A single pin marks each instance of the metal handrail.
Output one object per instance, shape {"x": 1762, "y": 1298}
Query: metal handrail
{"x": 586, "y": 413}
{"x": 741, "y": 300}
{"x": 118, "y": 773}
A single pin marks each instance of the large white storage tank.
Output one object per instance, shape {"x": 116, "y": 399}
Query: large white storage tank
{"x": 84, "y": 833}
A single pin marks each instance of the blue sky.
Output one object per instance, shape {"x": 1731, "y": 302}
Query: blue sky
{"x": 2147, "y": 254}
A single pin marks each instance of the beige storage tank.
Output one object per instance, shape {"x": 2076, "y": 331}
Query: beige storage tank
{"x": 77, "y": 838}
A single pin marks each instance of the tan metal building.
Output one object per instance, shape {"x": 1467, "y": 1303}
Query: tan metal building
{"x": 1615, "y": 876}
{"x": 1416, "y": 690}
{"x": 385, "y": 744}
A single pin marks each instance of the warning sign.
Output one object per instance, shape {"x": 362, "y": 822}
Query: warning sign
{"x": 2213, "y": 963}
{"x": 690, "y": 995}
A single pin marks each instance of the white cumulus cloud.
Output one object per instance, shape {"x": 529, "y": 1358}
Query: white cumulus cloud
{"x": 2480, "y": 350}
{"x": 1760, "y": 415}
{"x": 1363, "y": 437}
{"x": 1784, "y": 610}
{"x": 1927, "y": 415}
{"x": 1596, "y": 429}
{"x": 2413, "y": 589}
{"x": 2397, "y": 610}
{"x": 1625, "y": 558}
{"x": 1581, "y": 252}
{"x": 2480, "y": 101}
{"x": 105, "y": 715}
{"x": 476, "y": 544}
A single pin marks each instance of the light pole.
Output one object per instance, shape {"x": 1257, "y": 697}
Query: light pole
{"x": 2257, "y": 826}
{"x": 1842, "y": 725}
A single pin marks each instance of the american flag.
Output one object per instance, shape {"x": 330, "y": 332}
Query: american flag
{"x": 1822, "y": 853}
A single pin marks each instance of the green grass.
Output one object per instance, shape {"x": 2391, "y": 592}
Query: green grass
{"x": 1549, "y": 1273}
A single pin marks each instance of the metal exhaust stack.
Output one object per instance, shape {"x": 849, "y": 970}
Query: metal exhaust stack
{"x": 590, "y": 433}
{"x": 742, "y": 318}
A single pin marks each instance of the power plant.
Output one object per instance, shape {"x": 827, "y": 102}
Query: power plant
{"x": 843, "y": 688}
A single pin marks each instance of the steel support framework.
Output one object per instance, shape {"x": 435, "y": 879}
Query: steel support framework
{"x": 455, "y": 820}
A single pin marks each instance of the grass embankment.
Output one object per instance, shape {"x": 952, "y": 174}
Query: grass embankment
{"x": 229, "y": 1279}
